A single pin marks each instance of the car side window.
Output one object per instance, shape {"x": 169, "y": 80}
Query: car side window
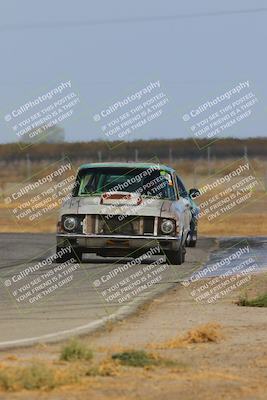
{"x": 181, "y": 188}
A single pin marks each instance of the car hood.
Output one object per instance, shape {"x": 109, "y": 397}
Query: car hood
{"x": 92, "y": 205}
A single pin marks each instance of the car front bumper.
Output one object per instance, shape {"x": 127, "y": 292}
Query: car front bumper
{"x": 91, "y": 243}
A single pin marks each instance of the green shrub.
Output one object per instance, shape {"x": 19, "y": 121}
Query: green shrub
{"x": 75, "y": 350}
{"x": 134, "y": 358}
{"x": 260, "y": 301}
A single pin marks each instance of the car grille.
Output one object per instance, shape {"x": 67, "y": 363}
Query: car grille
{"x": 124, "y": 225}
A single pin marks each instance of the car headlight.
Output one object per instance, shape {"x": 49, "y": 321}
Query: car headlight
{"x": 70, "y": 223}
{"x": 167, "y": 226}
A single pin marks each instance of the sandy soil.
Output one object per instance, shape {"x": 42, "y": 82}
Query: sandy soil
{"x": 233, "y": 368}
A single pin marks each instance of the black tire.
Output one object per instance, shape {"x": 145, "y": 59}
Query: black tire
{"x": 76, "y": 256}
{"x": 176, "y": 257}
{"x": 191, "y": 239}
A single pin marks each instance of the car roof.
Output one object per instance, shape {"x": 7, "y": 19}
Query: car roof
{"x": 130, "y": 165}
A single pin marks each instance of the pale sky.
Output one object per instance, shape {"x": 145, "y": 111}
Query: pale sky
{"x": 112, "y": 49}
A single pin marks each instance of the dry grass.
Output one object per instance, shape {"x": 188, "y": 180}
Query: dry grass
{"x": 43, "y": 375}
{"x": 107, "y": 367}
{"x": 11, "y": 357}
{"x": 37, "y": 375}
{"x": 206, "y": 333}
{"x": 241, "y": 224}
{"x": 27, "y": 374}
{"x": 210, "y": 332}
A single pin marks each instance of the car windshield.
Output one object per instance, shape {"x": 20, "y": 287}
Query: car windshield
{"x": 152, "y": 182}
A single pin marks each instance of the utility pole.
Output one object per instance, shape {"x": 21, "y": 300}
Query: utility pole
{"x": 99, "y": 153}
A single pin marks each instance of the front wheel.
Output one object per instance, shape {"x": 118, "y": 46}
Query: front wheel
{"x": 176, "y": 257}
{"x": 191, "y": 240}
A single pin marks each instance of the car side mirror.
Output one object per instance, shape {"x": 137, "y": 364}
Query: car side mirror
{"x": 193, "y": 193}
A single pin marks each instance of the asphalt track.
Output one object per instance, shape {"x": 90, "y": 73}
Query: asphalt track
{"x": 87, "y": 297}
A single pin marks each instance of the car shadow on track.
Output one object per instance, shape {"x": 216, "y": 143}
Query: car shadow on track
{"x": 109, "y": 260}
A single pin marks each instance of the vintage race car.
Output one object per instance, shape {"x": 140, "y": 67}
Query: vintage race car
{"x": 122, "y": 209}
